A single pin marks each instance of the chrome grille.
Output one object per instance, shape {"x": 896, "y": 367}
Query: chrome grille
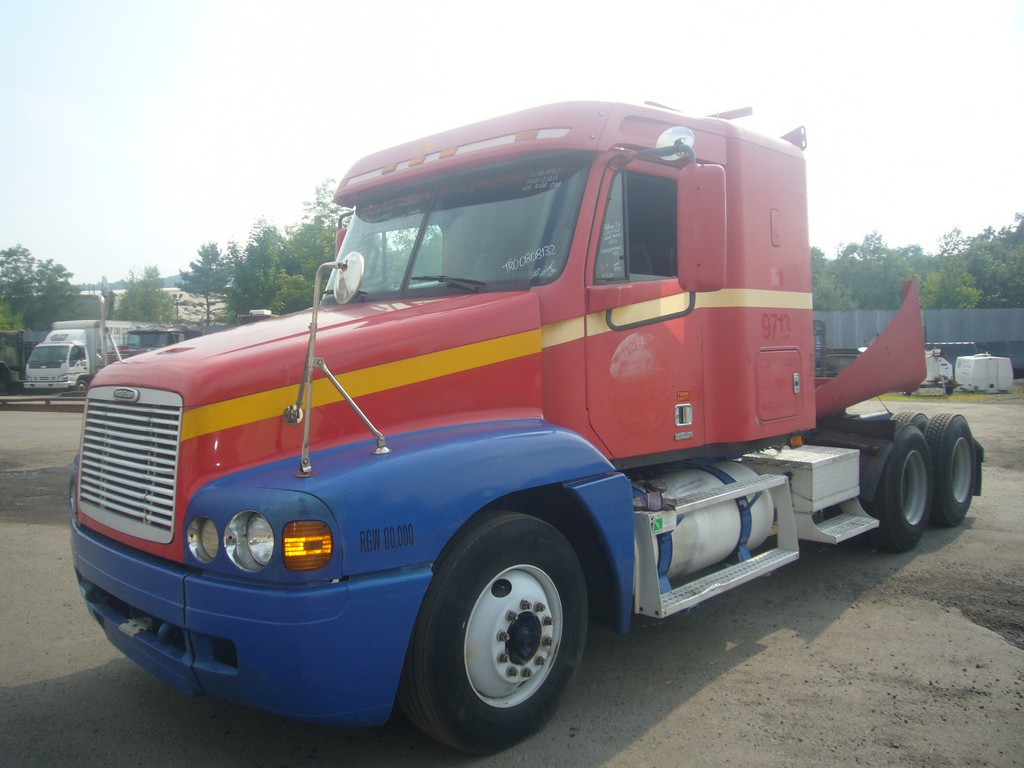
{"x": 130, "y": 459}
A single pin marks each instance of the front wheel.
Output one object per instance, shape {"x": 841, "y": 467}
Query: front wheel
{"x": 499, "y": 636}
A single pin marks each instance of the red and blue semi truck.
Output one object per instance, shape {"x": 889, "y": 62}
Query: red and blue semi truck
{"x": 562, "y": 372}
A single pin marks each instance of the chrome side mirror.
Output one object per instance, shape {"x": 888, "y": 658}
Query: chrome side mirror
{"x": 348, "y": 277}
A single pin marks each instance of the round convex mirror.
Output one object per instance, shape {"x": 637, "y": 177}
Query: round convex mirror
{"x": 348, "y": 277}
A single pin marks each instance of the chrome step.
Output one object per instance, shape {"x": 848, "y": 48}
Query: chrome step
{"x": 694, "y": 592}
{"x": 852, "y": 522}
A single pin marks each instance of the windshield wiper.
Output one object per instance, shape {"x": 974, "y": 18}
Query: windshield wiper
{"x": 466, "y": 283}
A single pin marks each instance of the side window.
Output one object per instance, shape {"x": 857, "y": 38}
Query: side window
{"x": 638, "y": 238}
{"x": 611, "y": 252}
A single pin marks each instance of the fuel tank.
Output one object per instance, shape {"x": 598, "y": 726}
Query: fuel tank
{"x": 710, "y": 535}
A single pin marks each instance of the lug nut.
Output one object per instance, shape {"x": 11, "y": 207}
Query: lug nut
{"x": 548, "y": 621}
{"x": 539, "y": 661}
{"x": 524, "y": 605}
{"x": 512, "y": 672}
{"x": 502, "y": 658}
{"x": 502, "y": 636}
{"x": 539, "y": 607}
{"x": 547, "y": 642}
{"x": 511, "y": 616}
{"x": 527, "y": 672}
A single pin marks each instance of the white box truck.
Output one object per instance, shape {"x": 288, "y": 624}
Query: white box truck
{"x": 72, "y": 353}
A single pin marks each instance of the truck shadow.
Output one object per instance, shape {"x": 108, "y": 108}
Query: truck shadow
{"x": 626, "y": 687}
{"x": 679, "y": 659}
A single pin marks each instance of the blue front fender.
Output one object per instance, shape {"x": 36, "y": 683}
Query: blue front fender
{"x": 400, "y": 509}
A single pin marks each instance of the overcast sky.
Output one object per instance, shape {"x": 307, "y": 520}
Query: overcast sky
{"x": 134, "y": 131}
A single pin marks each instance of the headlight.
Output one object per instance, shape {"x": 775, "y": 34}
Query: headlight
{"x": 249, "y": 540}
{"x": 203, "y": 541}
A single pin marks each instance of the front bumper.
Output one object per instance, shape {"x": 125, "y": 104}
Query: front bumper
{"x": 61, "y": 386}
{"x": 329, "y": 654}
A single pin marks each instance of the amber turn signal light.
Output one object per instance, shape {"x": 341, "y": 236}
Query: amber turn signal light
{"x": 308, "y": 545}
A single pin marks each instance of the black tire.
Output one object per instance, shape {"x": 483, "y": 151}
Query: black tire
{"x": 902, "y": 501}
{"x": 953, "y": 468}
{"x": 904, "y": 418}
{"x": 499, "y": 636}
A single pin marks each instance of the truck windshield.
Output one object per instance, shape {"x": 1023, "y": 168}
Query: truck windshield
{"x": 50, "y": 356}
{"x": 504, "y": 229}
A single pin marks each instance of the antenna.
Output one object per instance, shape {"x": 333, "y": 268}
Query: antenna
{"x": 660, "y": 106}
{"x": 732, "y": 114}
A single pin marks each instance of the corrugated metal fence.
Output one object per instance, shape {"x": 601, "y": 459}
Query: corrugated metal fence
{"x": 999, "y": 332}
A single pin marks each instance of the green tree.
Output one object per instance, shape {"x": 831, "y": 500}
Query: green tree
{"x": 275, "y": 270}
{"x": 946, "y": 282}
{"x": 829, "y": 293}
{"x": 996, "y": 261}
{"x": 17, "y": 276}
{"x": 313, "y": 241}
{"x": 207, "y": 278}
{"x": 144, "y": 298}
{"x": 9, "y": 320}
{"x": 950, "y": 287}
{"x": 257, "y": 274}
{"x": 873, "y": 273}
{"x": 39, "y": 292}
{"x": 294, "y": 293}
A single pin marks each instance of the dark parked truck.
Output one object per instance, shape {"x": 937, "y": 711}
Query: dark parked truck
{"x": 563, "y": 371}
{"x": 146, "y": 338}
{"x": 15, "y": 348}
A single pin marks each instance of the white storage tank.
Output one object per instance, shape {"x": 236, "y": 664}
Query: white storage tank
{"x": 984, "y": 373}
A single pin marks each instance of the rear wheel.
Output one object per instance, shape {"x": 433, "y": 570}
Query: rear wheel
{"x": 499, "y": 636}
{"x": 904, "y": 418}
{"x": 953, "y": 467}
{"x": 903, "y": 498}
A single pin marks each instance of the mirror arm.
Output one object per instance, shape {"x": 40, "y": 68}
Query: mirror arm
{"x": 678, "y": 148}
{"x": 300, "y": 412}
{"x": 382, "y": 447}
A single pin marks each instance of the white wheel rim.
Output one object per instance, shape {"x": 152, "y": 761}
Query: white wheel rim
{"x": 914, "y": 488}
{"x": 513, "y": 635}
{"x": 960, "y": 471}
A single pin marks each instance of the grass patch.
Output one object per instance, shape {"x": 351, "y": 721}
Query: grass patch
{"x": 936, "y": 393}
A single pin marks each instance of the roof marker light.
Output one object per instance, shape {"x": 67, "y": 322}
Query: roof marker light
{"x": 462, "y": 149}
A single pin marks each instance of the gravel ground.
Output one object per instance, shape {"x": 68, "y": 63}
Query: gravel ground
{"x": 848, "y": 657}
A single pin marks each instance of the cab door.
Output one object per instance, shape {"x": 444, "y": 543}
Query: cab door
{"x": 643, "y": 338}
{"x": 78, "y": 364}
